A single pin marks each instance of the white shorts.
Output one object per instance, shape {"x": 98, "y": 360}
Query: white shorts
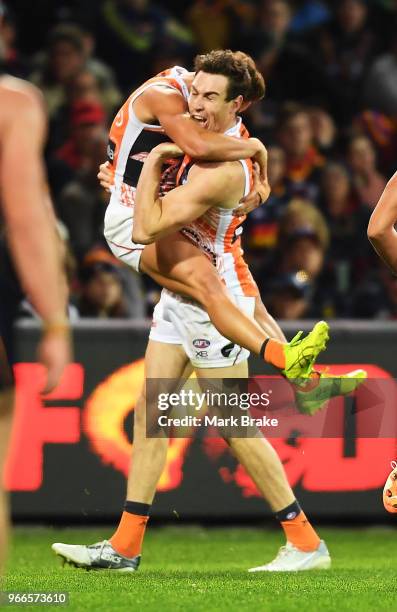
{"x": 118, "y": 225}
{"x": 180, "y": 321}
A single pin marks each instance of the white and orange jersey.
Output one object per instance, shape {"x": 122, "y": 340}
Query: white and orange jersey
{"x": 130, "y": 140}
{"x": 218, "y": 232}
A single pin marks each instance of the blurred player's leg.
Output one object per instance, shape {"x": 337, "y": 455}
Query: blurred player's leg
{"x": 122, "y": 552}
{"x": 6, "y": 406}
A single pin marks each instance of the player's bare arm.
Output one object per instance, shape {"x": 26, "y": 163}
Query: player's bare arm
{"x": 168, "y": 108}
{"x": 208, "y": 185}
{"x": 381, "y": 231}
{"x": 30, "y": 228}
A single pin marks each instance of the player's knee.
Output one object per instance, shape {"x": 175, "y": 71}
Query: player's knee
{"x": 140, "y": 415}
{"x": 212, "y": 288}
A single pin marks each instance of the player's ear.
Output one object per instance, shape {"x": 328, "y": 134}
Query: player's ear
{"x": 238, "y": 104}
{"x": 246, "y": 104}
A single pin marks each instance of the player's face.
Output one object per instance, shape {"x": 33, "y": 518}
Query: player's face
{"x": 208, "y": 105}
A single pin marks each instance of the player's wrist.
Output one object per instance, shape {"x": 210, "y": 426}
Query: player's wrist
{"x": 57, "y": 325}
{"x": 260, "y": 149}
{"x": 154, "y": 160}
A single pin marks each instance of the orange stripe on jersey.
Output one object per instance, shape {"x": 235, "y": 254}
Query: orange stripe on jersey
{"x": 185, "y": 162}
{"x": 244, "y": 275}
{"x": 245, "y": 278}
{"x": 244, "y": 133}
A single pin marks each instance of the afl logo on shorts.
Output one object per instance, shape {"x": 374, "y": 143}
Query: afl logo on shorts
{"x": 201, "y": 343}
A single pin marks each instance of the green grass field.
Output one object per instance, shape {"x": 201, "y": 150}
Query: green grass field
{"x": 192, "y": 568}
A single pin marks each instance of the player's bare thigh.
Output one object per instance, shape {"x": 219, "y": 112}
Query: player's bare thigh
{"x": 162, "y": 361}
{"x": 240, "y": 370}
{"x": 181, "y": 267}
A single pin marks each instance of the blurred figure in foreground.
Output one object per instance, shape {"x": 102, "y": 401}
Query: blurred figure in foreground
{"x": 28, "y": 221}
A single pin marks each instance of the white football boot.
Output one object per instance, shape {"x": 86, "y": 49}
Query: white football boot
{"x": 98, "y": 556}
{"x": 291, "y": 559}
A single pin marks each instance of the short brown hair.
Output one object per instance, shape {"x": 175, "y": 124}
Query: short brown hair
{"x": 240, "y": 69}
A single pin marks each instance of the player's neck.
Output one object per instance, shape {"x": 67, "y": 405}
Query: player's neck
{"x": 229, "y": 125}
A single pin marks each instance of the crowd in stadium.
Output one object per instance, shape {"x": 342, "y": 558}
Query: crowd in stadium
{"x": 329, "y": 121}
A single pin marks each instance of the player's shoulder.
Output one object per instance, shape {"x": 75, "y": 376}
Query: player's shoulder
{"x": 219, "y": 178}
{"x": 161, "y": 91}
{"x": 22, "y": 106}
{"x": 392, "y": 182}
{"x": 19, "y": 91}
{"x": 225, "y": 170}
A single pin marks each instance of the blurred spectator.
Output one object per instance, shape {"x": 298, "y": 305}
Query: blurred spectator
{"x": 289, "y": 69}
{"x": 294, "y": 291}
{"x": 376, "y": 296}
{"x": 82, "y": 203}
{"x": 302, "y": 215}
{"x": 274, "y": 20}
{"x": 10, "y": 57}
{"x": 87, "y": 126}
{"x": 64, "y": 59}
{"x": 388, "y": 310}
{"x": 295, "y": 135}
{"x": 290, "y": 296}
{"x": 368, "y": 182}
{"x": 380, "y": 86}
{"x": 382, "y": 131}
{"x": 101, "y": 294}
{"x": 261, "y": 226}
{"x": 347, "y": 222}
{"x": 324, "y": 130}
{"x": 308, "y": 14}
{"x": 344, "y": 48}
{"x": 133, "y": 33}
{"x": 83, "y": 88}
{"x": 213, "y": 22}
{"x": 134, "y": 298}
{"x": 100, "y": 73}
{"x": 339, "y": 204}
{"x": 301, "y": 260}
{"x": 303, "y": 250}
{"x": 69, "y": 60}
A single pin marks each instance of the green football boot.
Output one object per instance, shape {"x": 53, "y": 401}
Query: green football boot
{"x": 301, "y": 353}
{"x": 329, "y": 386}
